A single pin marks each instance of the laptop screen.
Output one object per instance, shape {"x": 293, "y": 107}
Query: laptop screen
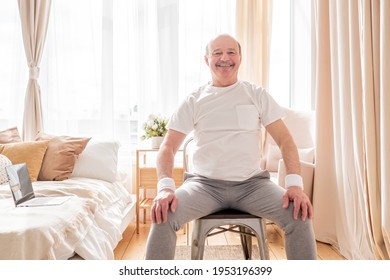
{"x": 20, "y": 183}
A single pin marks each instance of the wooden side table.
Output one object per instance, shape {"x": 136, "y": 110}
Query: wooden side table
{"x": 146, "y": 179}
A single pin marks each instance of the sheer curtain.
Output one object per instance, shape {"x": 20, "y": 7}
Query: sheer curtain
{"x": 159, "y": 48}
{"x": 200, "y": 21}
{"x": 351, "y": 191}
{"x": 72, "y": 69}
{"x": 109, "y": 64}
{"x": 13, "y": 73}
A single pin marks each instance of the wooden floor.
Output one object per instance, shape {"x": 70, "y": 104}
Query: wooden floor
{"x": 132, "y": 246}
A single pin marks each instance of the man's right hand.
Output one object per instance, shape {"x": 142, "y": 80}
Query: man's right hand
{"x": 161, "y": 203}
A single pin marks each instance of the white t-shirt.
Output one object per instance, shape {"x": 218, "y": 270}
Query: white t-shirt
{"x": 226, "y": 122}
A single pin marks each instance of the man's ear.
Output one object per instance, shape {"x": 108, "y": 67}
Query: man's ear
{"x": 206, "y": 59}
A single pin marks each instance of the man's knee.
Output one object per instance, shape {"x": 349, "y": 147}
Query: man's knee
{"x": 170, "y": 224}
{"x": 289, "y": 223}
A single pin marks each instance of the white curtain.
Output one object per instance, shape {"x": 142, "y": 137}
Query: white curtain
{"x": 13, "y": 73}
{"x": 109, "y": 64}
{"x": 351, "y": 191}
{"x": 34, "y": 17}
{"x": 200, "y": 21}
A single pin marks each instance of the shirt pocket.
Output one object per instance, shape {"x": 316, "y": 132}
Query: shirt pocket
{"x": 248, "y": 117}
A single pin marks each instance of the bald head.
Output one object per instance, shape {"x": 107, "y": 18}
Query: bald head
{"x": 221, "y": 37}
{"x": 223, "y": 56}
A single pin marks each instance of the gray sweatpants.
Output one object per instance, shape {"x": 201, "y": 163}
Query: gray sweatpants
{"x": 200, "y": 196}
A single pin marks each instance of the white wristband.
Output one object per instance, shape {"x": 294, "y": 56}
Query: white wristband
{"x": 166, "y": 183}
{"x": 293, "y": 180}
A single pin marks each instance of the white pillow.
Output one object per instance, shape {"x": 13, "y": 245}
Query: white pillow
{"x": 4, "y": 161}
{"x": 274, "y": 155}
{"x": 306, "y": 155}
{"x": 99, "y": 160}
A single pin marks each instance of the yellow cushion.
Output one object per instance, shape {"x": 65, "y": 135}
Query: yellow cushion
{"x": 31, "y": 153}
{"x": 61, "y": 156}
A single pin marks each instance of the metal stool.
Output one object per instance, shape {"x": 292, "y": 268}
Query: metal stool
{"x": 245, "y": 224}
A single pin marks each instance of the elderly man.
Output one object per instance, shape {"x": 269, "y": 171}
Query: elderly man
{"x": 226, "y": 116}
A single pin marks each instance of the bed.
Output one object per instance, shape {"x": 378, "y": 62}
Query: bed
{"x": 89, "y": 225}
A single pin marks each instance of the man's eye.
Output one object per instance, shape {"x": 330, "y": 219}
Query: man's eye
{"x": 232, "y": 53}
{"x": 217, "y": 54}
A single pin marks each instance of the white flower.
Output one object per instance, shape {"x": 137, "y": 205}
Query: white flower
{"x": 155, "y": 126}
{"x": 150, "y": 122}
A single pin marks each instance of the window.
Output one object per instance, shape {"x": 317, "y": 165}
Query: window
{"x": 14, "y": 71}
{"x": 108, "y": 64}
{"x": 290, "y": 67}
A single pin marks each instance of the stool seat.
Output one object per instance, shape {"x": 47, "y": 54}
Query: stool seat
{"x": 245, "y": 224}
{"x": 229, "y": 213}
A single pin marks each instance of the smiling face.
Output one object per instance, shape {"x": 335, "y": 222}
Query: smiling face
{"x": 224, "y": 58}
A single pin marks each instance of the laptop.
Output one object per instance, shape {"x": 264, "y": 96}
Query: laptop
{"x": 22, "y": 190}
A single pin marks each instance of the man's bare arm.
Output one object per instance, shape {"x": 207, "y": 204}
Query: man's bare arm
{"x": 294, "y": 193}
{"x": 166, "y": 154}
{"x": 284, "y": 140}
{"x": 165, "y": 197}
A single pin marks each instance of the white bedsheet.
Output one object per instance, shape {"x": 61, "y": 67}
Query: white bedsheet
{"x": 89, "y": 224}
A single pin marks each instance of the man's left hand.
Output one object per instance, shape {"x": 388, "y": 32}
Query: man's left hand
{"x": 300, "y": 200}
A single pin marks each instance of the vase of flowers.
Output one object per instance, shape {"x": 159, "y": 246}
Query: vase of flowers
{"x": 155, "y": 129}
{"x": 156, "y": 142}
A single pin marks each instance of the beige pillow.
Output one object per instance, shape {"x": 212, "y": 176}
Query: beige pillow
{"x": 61, "y": 156}
{"x": 10, "y": 135}
{"x": 31, "y": 153}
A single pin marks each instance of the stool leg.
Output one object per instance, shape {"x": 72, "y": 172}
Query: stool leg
{"x": 263, "y": 246}
{"x": 246, "y": 242}
{"x": 198, "y": 240}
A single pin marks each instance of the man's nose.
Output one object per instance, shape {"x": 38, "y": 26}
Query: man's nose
{"x": 225, "y": 56}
